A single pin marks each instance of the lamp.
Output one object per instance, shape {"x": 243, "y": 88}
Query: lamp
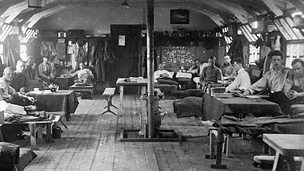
{"x": 125, "y": 4}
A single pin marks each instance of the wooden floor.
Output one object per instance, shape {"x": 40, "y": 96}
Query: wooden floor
{"x": 92, "y": 143}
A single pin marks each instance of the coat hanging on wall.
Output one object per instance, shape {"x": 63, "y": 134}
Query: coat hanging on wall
{"x": 236, "y": 47}
{"x": 11, "y": 50}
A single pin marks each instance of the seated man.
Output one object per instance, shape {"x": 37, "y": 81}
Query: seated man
{"x": 19, "y": 79}
{"x": 228, "y": 70}
{"x": 242, "y": 81}
{"x": 273, "y": 81}
{"x": 195, "y": 69}
{"x": 31, "y": 74}
{"x": 163, "y": 76}
{"x": 210, "y": 74}
{"x": 294, "y": 85}
{"x": 84, "y": 75}
{"x": 8, "y": 93}
{"x": 45, "y": 71}
{"x": 30, "y": 70}
{"x": 196, "y": 79}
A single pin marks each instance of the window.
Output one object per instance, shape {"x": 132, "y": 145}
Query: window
{"x": 294, "y": 51}
{"x": 228, "y": 38}
{"x": 254, "y": 54}
{"x": 1, "y": 52}
{"x": 247, "y": 31}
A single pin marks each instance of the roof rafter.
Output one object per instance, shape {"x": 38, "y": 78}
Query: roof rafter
{"x": 44, "y": 14}
{"x": 273, "y": 5}
{"x": 13, "y": 13}
{"x": 299, "y": 4}
{"x": 232, "y": 8}
{"x": 217, "y": 19}
{"x": 13, "y": 8}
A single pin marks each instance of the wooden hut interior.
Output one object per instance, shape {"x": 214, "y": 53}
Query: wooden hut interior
{"x": 191, "y": 85}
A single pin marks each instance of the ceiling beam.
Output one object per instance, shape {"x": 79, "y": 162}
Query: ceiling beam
{"x": 4, "y": 5}
{"x": 13, "y": 8}
{"x": 299, "y": 4}
{"x": 272, "y": 5}
{"x": 235, "y": 9}
{"x": 132, "y": 4}
{"x": 218, "y": 20}
{"x": 44, "y": 14}
{"x": 14, "y": 11}
{"x": 27, "y": 14}
{"x": 232, "y": 8}
{"x": 284, "y": 4}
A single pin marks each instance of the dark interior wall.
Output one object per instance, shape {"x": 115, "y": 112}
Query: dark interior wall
{"x": 97, "y": 20}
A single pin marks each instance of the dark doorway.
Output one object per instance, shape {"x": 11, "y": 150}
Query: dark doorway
{"x": 126, "y": 46}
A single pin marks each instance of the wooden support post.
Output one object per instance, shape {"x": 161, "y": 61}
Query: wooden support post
{"x": 150, "y": 63}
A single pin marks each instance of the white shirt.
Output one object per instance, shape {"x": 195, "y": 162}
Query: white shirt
{"x": 274, "y": 80}
{"x": 202, "y": 66}
{"x": 242, "y": 81}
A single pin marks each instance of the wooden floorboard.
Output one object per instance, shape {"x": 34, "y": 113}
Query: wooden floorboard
{"x": 92, "y": 142}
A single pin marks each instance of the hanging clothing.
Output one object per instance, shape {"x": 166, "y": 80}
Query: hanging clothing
{"x": 99, "y": 61}
{"x": 91, "y": 51}
{"x": 11, "y": 51}
{"x": 108, "y": 52}
{"x": 61, "y": 51}
{"x": 47, "y": 49}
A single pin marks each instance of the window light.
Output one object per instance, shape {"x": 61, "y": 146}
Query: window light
{"x": 288, "y": 29}
{"x": 282, "y": 30}
{"x": 297, "y": 13}
{"x": 255, "y": 24}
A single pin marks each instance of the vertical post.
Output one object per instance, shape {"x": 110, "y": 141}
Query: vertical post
{"x": 150, "y": 68}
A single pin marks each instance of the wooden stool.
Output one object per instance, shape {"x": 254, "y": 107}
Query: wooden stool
{"x": 108, "y": 94}
{"x": 213, "y": 133}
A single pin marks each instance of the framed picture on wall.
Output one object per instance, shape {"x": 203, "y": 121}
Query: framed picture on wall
{"x": 179, "y": 16}
{"x": 36, "y": 3}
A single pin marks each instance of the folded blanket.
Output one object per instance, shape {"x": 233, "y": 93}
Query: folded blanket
{"x": 188, "y": 106}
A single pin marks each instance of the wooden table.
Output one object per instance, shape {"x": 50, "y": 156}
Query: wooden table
{"x": 35, "y": 128}
{"x": 62, "y": 100}
{"x": 122, "y": 82}
{"x": 287, "y": 146}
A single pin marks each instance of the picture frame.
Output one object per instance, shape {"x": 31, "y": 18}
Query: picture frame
{"x": 179, "y": 16}
{"x": 36, "y": 3}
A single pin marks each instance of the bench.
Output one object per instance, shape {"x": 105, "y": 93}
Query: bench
{"x": 108, "y": 94}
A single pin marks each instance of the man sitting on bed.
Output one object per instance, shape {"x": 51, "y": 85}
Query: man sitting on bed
{"x": 8, "y": 94}
{"x": 242, "y": 80}
{"x": 84, "y": 75}
{"x": 273, "y": 81}
{"x": 19, "y": 79}
{"x": 294, "y": 85}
